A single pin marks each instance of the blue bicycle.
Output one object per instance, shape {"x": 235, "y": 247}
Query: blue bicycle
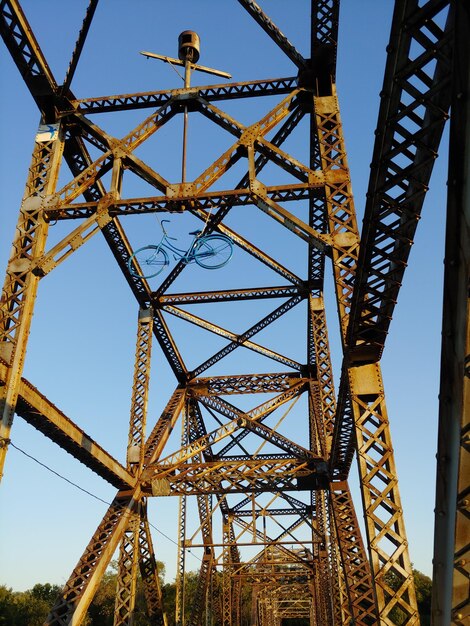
{"x": 209, "y": 251}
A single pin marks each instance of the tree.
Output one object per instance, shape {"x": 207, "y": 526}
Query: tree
{"x": 6, "y": 606}
{"x": 101, "y": 610}
{"x": 21, "y": 608}
{"x": 46, "y": 592}
{"x": 423, "y": 585}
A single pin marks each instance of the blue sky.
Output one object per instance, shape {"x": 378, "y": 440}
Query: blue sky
{"x": 82, "y": 342}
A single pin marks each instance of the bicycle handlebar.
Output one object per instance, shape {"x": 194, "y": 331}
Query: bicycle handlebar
{"x": 164, "y": 231}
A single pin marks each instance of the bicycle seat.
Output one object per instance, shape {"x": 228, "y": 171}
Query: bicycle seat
{"x": 196, "y": 232}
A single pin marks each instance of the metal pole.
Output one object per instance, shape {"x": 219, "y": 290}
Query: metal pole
{"x": 187, "y": 83}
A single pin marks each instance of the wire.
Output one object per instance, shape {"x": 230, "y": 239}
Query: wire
{"x": 171, "y": 64}
{"x": 88, "y": 492}
{"x": 162, "y": 533}
{"x": 59, "y": 475}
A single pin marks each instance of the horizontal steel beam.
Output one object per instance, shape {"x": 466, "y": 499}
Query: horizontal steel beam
{"x": 180, "y": 202}
{"x": 244, "y": 383}
{"x": 244, "y": 476}
{"x": 211, "y": 93}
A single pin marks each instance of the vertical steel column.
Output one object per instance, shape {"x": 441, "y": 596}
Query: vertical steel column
{"x": 180, "y": 575}
{"x": 341, "y": 606}
{"x": 312, "y": 616}
{"x": 181, "y": 558}
{"x": 227, "y": 574}
{"x": 236, "y": 600}
{"x": 451, "y": 572}
{"x": 254, "y": 605}
{"x": 140, "y": 389}
{"x": 385, "y": 525}
{"x": 269, "y": 608}
{"x": 321, "y": 409}
{"x": 262, "y": 611}
{"x": 203, "y": 586}
{"x": 149, "y": 571}
{"x": 342, "y": 221}
{"x": 196, "y": 430}
{"x": 324, "y": 369}
{"x": 363, "y": 610}
{"x": 353, "y": 556}
{"x": 21, "y": 283}
{"x": 384, "y": 517}
{"x": 322, "y": 565}
{"x": 127, "y": 573}
{"x": 129, "y": 551}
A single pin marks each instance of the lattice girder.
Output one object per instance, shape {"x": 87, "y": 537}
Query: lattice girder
{"x": 127, "y": 572}
{"x": 149, "y": 571}
{"x": 388, "y": 525}
{"x": 79, "y": 590}
{"x": 21, "y": 284}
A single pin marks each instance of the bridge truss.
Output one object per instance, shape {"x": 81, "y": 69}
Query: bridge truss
{"x": 260, "y": 458}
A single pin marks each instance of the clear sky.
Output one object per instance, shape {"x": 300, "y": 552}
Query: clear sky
{"x": 81, "y": 348}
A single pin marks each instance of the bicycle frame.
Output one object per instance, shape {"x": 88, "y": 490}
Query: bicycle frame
{"x": 187, "y": 256}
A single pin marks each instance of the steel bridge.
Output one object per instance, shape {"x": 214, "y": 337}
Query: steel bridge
{"x": 261, "y": 481}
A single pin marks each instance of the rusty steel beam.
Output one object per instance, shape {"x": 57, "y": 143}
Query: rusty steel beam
{"x": 149, "y": 571}
{"x": 234, "y": 476}
{"x": 324, "y": 40}
{"x": 175, "y": 204}
{"x": 384, "y": 520}
{"x": 27, "y": 55}
{"x": 79, "y": 590}
{"x": 414, "y": 108}
{"x": 79, "y": 45}
{"x": 21, "y": 284}
{"x": 241, "y": 384}
{"x": 211, "y": 93}
{"x": 271, "y": 29}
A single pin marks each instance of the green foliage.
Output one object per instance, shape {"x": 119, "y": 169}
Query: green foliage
{"x": 6, "y": 606}
{"x": 30, "y": 608}
{"x": 27, "y": 608}
{"x": 169, "y": 597}
{"x": 47, "y": 593}
{"x": 101, "y": 610}
{"x": 423, "y": 586}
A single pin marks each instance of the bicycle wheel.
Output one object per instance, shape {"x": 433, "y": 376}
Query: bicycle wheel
{"x": 147, "y": 262}
{"x": 213, "y": 251}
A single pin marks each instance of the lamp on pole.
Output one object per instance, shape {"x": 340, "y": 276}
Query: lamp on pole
{"x": 188, "y": 56}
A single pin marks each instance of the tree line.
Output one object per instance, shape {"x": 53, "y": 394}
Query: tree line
{"x": 30, "y": 608}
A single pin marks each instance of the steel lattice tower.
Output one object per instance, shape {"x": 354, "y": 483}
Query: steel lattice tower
{"x": 263, "y": 456}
